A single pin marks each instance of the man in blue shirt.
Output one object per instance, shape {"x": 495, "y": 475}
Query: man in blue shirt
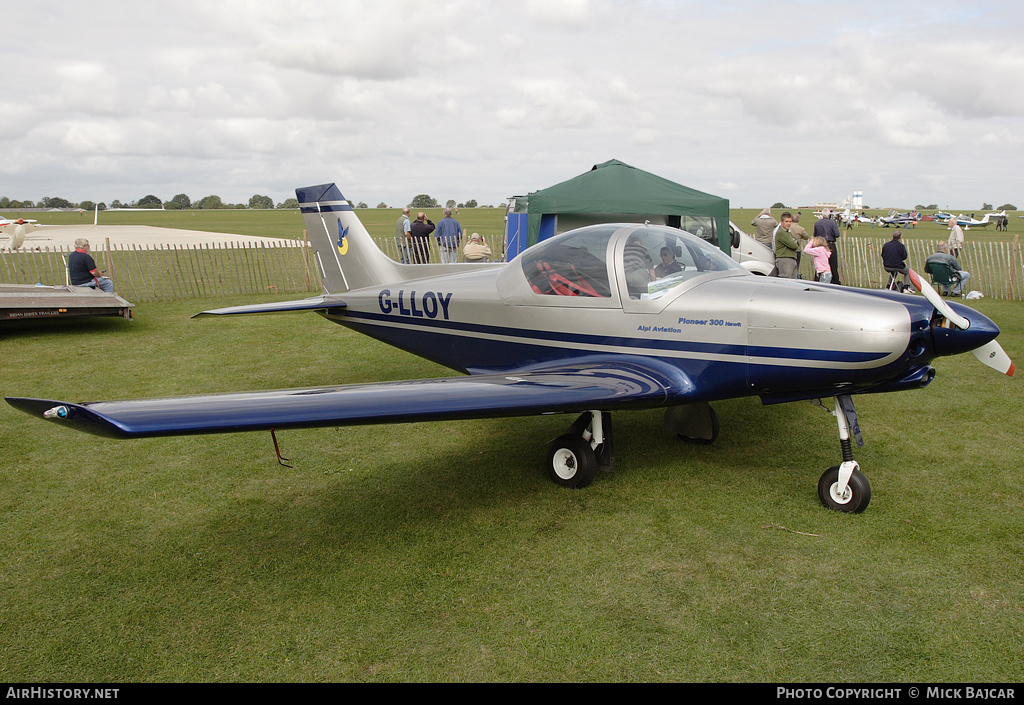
{"x": 448, "y": 234}
{"x": 894, "y": 258}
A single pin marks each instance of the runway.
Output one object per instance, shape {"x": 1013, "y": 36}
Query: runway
{"x": 64, "y": 236}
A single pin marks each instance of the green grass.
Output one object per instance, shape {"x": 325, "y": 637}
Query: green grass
{"x": 381, "y": 221}
{"x": 442, "y": 552}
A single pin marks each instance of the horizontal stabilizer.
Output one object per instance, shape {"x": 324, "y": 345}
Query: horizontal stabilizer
{"x": 318, "y": 303}
{"x": 596, "y": 385}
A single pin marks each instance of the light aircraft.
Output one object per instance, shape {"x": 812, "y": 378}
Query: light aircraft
{"x": 846, "y": 216}
{"x": 898, "y": 219}
{"x": 579, "y": 324}
{"x": 17, "y": 230}
{"x": 965, "y": 221}
{"x": 845, "y": 205}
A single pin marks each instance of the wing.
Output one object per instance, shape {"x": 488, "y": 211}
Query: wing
{"x": 317, "y": 303}
{"x": 605, "y": 384}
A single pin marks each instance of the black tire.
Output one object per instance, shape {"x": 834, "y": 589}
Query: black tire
{"x": 856, "y": 498}
{"x": 571, "y": 461}
{"x": 704, "y": 441}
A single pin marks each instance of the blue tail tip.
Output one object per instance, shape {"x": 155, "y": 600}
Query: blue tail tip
{"x": 322, "y": 192}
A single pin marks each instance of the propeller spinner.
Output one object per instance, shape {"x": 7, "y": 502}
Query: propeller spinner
{"x": 991, "y": 353}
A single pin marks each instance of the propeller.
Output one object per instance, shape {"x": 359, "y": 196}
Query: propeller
{"x": 991, "y": 353}
{"x": 940, "y": 304}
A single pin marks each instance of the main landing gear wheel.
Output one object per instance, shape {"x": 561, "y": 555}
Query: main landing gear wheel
{"x": 571, "y": 461}
{"x": 854, "y": 499}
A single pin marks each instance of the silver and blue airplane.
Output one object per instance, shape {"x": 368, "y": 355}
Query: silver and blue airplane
{"x": 898, "y": 219}
{"x": 605, "y": 318}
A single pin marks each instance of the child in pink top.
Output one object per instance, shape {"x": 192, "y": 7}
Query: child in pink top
{"x": 818, "y": 249}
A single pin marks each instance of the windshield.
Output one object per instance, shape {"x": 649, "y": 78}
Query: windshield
{"x": 657, "y": 258}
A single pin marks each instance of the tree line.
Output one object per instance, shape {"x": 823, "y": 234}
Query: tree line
{"x": 183, "y": 202}
{"x": 179, "y": 202}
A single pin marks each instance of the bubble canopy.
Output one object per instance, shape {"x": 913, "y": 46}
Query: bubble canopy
{"x": 650, "y": 259}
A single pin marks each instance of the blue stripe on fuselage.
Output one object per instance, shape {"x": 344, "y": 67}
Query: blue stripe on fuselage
{"x": 540, "y": 337}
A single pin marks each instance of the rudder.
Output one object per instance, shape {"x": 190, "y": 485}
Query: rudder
{"x": 346, "y": 254}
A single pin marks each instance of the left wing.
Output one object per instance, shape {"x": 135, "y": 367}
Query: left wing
{"x": 599, "y": 384}
{"x": 317, "y": 303}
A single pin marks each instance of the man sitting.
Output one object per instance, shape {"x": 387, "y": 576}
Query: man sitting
{"x": 894, "y": 258}
{"x": 82, "y": 269}
{"x": 943, "y": 257}
{"x": 668, "y": 265}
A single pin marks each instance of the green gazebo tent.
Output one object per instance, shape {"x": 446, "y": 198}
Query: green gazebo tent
{"x": 617, "y": 189}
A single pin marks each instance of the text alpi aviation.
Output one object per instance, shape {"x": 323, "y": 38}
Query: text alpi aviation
{"x": 582, "y": 323}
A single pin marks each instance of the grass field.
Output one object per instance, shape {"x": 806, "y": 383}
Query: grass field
{"x": 442, "y": 552}
{"x": 381, "y": 221}
{"x": 265, "y": 223}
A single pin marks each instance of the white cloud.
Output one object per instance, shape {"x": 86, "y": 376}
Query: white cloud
{"x": 479, "y": 99}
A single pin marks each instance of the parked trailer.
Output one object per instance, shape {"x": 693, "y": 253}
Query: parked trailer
{"x": 22, "y": 302}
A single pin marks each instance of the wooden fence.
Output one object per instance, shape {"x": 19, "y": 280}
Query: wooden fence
{"x": 178, "y": 272}
{"x": 389, "y": 246}
{"x": 996, "y": 268}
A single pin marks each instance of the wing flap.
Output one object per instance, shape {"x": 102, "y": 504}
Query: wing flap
{"x": 605, "y": 386}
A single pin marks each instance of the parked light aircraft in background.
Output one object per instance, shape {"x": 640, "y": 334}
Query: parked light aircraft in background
{"x": 900, "y": 220}
{"x": 846, "y": 216}
{"x": 581, "y": 323}
{"x": 7, "y": 221}
{"x": 966, "y": 221}
{"x": 16, "y": 230}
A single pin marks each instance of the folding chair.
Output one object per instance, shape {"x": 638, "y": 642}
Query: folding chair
{"x": 944, "y": 276}
{"x": 894, "y": 283}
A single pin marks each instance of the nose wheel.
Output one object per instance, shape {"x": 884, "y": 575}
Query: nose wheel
{"x": 844, "y": 488}
{"x": 851, "y": 496}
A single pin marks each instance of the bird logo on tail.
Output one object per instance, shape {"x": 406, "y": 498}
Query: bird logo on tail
{"x": 342, "y": 239}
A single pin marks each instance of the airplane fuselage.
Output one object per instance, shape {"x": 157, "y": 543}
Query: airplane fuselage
{"x": 731, "y": 333}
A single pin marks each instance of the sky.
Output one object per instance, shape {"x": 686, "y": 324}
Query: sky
{"x": 798, "y": 102}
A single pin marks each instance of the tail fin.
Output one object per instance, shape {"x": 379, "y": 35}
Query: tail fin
{"x": 347, "y": 255}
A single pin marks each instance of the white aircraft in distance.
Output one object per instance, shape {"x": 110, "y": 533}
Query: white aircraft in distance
{"x": 581, "y": 323}
{"x": 16, "y": 230}
{"x": 966, "y": 221}
{"x": 845, "y": 206}
{"x": 846, "y": 217}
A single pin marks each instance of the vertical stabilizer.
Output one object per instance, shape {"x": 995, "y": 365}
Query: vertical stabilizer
{"x": 346, "y": 254}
